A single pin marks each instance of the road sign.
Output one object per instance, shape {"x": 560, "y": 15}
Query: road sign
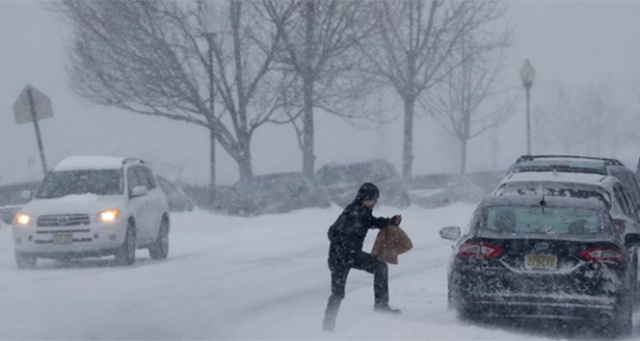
{"x": 33, "y": 106}
{"x": 40, "y": 103}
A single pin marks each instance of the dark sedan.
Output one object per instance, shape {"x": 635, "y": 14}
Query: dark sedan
{"x": 543, "y": 258}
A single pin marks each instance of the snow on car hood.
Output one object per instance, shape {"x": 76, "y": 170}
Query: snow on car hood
{"x": 73, "y": 204}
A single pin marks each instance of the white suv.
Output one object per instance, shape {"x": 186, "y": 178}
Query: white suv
{"x": 93, "y": 206}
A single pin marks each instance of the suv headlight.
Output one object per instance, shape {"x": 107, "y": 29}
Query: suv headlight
{"x": 22, "y": 219}
{"x": 108, "y": 216}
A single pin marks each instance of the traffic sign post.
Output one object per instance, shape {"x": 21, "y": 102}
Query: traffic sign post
{"x": 32, "y": 106}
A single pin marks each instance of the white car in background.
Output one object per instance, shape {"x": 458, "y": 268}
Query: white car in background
{"x": 436, "y": 190}
{"x": 93, "y": 206}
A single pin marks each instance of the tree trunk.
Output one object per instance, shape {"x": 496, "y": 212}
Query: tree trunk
{"x": 308, "y": 78}
{"x": 463, "y": 156}
{"x": 244, "y": 156}
{"x": 308, "y": 157}
{"x": 212, "y": 167}
{"x": 212, "y": 157}
{"x": 407, "y": 154}
{"x": 244, "y": 165}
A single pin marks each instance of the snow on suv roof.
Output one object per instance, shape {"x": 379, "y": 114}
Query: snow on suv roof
{"x": 586, "y": 185}
{"x": 581, "y": 178}
{"x": 90, "y": 162}
{"x": 564, "y": 163}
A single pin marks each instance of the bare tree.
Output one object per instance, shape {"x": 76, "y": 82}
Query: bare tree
{"x": 415, "y": 39}
{"x": 589, "y": 120}
{"x": 466, "y": 102}
{"x": 317, "y": 37}
{"x": 150, "y": 58}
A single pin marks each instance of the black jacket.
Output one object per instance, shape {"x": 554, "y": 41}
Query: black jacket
{"x": 348, "y": 232}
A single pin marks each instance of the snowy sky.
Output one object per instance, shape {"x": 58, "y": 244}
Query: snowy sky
{"x": 568, "y": 42}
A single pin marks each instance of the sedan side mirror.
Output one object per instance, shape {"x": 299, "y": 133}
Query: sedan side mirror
{"x": 632, "y": 239}
{"x": 139, "y": 191}
{"x": 450, "y": 233}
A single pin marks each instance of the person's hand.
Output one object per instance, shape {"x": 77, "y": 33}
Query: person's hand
{"x": 396, "y": 220}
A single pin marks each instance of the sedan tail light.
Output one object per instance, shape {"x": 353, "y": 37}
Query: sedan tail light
{"x": 605, "y": 254}
{"x": 479, "y": 250}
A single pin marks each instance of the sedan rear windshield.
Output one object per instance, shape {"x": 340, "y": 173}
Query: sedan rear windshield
{"x": 543, "y": 220}
{"x": 63, "y": 183}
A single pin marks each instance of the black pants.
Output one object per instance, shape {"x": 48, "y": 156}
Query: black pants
{"x": 340, "y": 271}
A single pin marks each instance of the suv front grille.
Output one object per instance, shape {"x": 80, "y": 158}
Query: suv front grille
{"x": 63, "y": 220}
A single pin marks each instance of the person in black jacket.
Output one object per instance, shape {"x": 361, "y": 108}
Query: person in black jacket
{"x": 347, "y": 235}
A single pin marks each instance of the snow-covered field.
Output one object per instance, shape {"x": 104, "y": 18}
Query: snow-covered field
{"x": 240, "y": 278}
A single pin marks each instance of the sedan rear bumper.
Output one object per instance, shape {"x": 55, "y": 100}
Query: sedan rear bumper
{"x": 564, "y": 306}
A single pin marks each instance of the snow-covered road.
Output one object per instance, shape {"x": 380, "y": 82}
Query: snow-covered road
{"x": 239, "y": 278}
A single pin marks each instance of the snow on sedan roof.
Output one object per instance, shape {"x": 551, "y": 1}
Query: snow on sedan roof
{"x": 89, "y": 162}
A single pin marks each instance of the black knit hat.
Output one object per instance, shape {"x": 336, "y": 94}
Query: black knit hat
{"x": 368, "y": 191}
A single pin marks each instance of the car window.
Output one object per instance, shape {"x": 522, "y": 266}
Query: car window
{"x": 625, "y": 201}
{"x": 143, "y": 180}
{"x": 132, "y": 179}
{"x": 62, "y": 183}
{"x": 10, "y": 198}
{"x": 151, "y": 182}
{"x": 543, "y": 220}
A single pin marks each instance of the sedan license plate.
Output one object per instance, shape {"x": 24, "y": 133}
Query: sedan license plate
{"x": 541, "y": 262}
{"x": 62, "y": 238}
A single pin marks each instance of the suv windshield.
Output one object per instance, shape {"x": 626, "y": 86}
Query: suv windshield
{"x": 543, "y": 220}
{"x": 63, "y": 183}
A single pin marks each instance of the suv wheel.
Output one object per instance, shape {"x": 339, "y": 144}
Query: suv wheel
{"x": 25, "y": 261}
{"x": 160, "y": 247}
{"x": 126, "y": 254}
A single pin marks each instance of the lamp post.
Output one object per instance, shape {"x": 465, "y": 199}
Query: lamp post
{"x": 210, "y": 30}
{"x": 527, "y": 74}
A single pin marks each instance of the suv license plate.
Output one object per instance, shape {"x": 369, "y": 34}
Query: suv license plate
{"x": 62, "y": 238}
{"x": 541, "y": 262}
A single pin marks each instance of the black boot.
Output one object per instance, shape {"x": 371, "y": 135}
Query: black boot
{"x": 330, "y": 315}
{"x": 385, "y": 308}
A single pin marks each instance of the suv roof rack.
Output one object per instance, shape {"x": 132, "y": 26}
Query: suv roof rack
{"x": 607, "y": 161}
{"x": 132, "y": 159}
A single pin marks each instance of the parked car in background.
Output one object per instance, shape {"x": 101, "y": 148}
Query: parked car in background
{"x": 436, "y": 190}
{"x": 551, "y": 258}
{"x": 11, "y": 201}
{"x": 581, "y": 164}
{"x": 271, "y": 193}
{"x": 178, "y": 200}
{"x": 487, "y": 180}
{"x": 93, "y": 206}
{"x": 342, "y": 180}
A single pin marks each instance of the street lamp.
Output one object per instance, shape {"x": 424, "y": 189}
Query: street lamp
{"x": 527, "y": 74}
{"x": 210, "y": 29}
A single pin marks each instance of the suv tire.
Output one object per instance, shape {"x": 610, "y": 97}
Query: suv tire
{"x": 25, "y": 261}
{"x": 160, "y": 247}
{"x": 126, "y": 254}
